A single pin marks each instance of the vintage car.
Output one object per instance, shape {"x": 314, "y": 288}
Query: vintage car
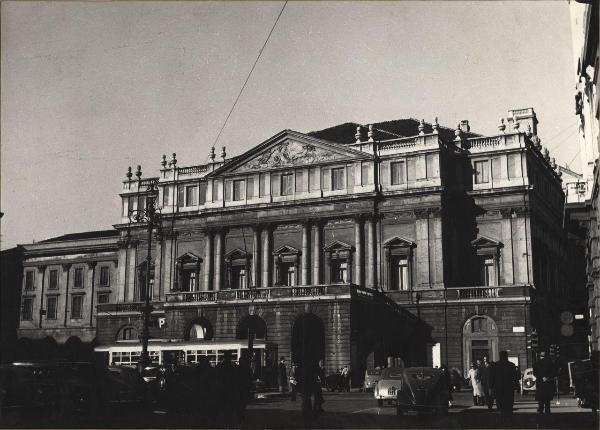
{"x": 527, "y": 381}
{"x": 388, "y": 384}
{"x": 422, "y": 389}
{"x": 371, "y": 378}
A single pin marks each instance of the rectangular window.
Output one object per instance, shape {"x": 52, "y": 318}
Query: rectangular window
{"x": 27, "y": 311}
{"x": 287, "y": 184}
{"x": 403, "y": 274}
{"x": 250, "y": 187}
{"x": 482, "y": 172}
{"x": 313, "y": 179}
{"x": 496, "y": 168}
{"x": 51, "y": 302}
{"x": 431, "y": 161}
{"x": 104, "y": 276}
{"x": 262, "y": 185}
{"x": 228, "y": 186}
{"x": 337, "y": 179}
{"x": 78, "y": 279}
{"x": 514, "y": 166}
{"x": 366, "y": 174}
{"x": 180, "y": 196}
{"x": 53, "y": 280}
{"x": 489, "y": 272}
{"x": 191, "y": 195}
{"x": 398, "y": 173}
{"x": 300, "y": 186}
{"x": 141, "y": 203}
{"x": 411, "y": 170}
{"x": 238, "y": 190}
{"x": 166, "y": 195}
{"x": 202, "y": 189}
{"x": 77, "y": 307}
{"x": 103, "y": 298}
{"x": 29, "y": 280}
{"x": 130, "y": 204}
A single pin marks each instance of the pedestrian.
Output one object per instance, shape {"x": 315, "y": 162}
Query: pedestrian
{"x": 504, "y": 381}
{"x": 486, "y": 376}
{"x": 544, "y": 373}
{"x": 446, "y": 379}
{"x": 346, "y": 377}
{"x": 318, "y": 380}
{"x": 293, "y": 381}
{"x": 474, "y": 378}
{"x": 282, "y": 376}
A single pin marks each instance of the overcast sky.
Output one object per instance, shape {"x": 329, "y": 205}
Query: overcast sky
{"x": 91, "y": 88}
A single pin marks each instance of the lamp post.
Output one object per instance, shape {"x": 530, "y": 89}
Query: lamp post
{"x": 149, "y": 214}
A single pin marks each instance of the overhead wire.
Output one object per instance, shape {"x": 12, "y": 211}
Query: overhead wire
{"x": 249, "y": 74}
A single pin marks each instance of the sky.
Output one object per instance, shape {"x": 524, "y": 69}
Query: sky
{"x": 90, "y": 88}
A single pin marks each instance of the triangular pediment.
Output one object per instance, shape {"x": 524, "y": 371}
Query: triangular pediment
{"x": 188, "y": 257}
{"x": 236, "y": 254}
{"x": 486, "y": 242}
{"x": 290, "y": 149}
{"x": 338, "y": 245}
{"x": 286, "y": 249}
{"x": 399, "y": 242}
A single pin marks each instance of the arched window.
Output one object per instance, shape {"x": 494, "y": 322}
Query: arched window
{"x": 127, "y": 333}
{"x": 252, "y": 324}
{"x": 199, "y": 329}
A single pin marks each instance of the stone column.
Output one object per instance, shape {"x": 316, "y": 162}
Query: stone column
{"x": 208, "y": 260}
{"x": 358, "y": 258}
{"x": 266, "y": 257}
{"x": 371, "y": 259}
{"x": 305, "y": 254}
{"x": 219, "y": 251}
{"x": 317, "y": 250}
{"x": 256, "y": 256}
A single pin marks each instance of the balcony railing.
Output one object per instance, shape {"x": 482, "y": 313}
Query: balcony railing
{"x": 460, "y": 294}
{"x": 120, "y": 307}
{"x": 265, "y": 294}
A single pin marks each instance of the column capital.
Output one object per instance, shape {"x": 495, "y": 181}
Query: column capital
{"x": 317, "y": 222}
{"x": 66, "y": 266}
{"x": 92, "y": 264}
{"x": 41, "y": 269}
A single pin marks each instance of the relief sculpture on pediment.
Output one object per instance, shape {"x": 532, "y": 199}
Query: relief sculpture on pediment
{"x": 288, "y": 153}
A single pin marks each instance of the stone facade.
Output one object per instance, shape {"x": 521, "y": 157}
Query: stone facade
{"x": 400, "y": 240}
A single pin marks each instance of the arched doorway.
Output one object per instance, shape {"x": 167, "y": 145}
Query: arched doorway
{"x": 199, "y": 329}
{"x": 254, "y": 325}
{"x": 480, "y": 339}
{"x": 308, "y": 339}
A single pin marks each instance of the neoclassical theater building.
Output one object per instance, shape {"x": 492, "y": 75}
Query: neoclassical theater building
{"x": 360, "y": 245}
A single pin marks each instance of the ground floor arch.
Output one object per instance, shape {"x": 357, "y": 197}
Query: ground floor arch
{"x": 308, "y": 339}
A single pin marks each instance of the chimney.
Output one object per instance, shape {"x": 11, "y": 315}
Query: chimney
{"x": 464, "y": 126}
{"x": 526, "y": 118}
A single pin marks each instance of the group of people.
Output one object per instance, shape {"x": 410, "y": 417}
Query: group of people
{"x": 498, "y": 381}
{"x": 306, "y": 379}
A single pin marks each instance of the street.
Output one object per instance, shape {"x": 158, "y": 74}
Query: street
{"x": 342, "y": 410}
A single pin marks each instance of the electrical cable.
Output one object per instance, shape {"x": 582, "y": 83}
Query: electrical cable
{"x": 249, "y": 75}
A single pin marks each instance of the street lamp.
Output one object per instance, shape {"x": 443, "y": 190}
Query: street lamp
{"x": 150, "y": 214}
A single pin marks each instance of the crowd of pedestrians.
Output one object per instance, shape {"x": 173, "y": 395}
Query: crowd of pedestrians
{"x": 498, "y": 382}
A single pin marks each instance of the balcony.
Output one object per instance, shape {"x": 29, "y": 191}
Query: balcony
{"x": 125, "y": 308}
{"x": 462, "y": 294}
{"x": 330, "y": 291}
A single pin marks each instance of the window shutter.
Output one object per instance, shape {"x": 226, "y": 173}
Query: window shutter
{"x": 496, "y": 168}
{"x": 275, "y": 184}
{"x": 327, "y": 179}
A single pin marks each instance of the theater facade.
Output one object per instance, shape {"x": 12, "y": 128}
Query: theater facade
{"x": 360, "y": 245}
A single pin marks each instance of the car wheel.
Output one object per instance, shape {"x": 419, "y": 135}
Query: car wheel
{"x": 380, "y": 402}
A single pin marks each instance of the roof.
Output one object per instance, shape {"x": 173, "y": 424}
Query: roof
{"x": 344, "y": 133}
{"x": 83, "y": 235}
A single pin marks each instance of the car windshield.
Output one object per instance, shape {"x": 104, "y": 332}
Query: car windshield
{"x": 392, "y": 373}
{"x": 372, "y": 372}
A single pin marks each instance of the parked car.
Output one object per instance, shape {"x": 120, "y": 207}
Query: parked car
{"x": 371, "y": 378}
{"x": 583, "y": 375}
{"x": 527, "y": 381}
{"x": 388, "y": 384}
{"x": 422, "y": 389}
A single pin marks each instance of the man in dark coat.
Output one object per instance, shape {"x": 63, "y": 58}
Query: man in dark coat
{"x": 504, "y": 382}
{"x": 544, "y": 373}
{"x": 282, "y": 376}
{"x": 486, "y": 379}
